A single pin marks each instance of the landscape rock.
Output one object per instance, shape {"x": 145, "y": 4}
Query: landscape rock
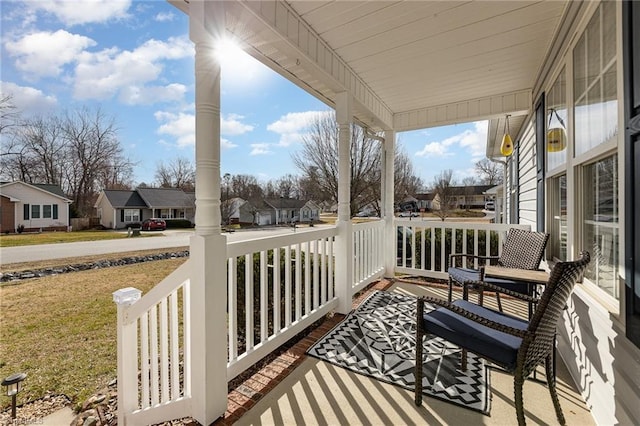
{"x": 131, "y": 260}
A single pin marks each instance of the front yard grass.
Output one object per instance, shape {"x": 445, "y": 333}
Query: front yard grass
{"x": 27, "y": 239}
{"x": 61, "y": 330}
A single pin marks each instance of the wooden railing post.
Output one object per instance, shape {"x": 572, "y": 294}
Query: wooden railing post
{"x": 127, "y": 347}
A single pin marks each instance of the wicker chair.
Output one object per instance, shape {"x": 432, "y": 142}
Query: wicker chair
{"x": 522, "y": 249}
{"x": 512, "y": 343}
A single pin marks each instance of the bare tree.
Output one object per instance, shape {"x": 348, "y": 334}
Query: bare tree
{"x": 489, "y": 171}
{"x": 319, "y": 159}
{"x": 9, "y": 113}
{"x": 177, "y": 173}
{"x": 92, "y": 148}
{"x": 79, "y": 151}
{"x": 246, "y": 187}
{"x": 443, "y": 188}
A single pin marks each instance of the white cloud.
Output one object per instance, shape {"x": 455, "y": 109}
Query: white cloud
{"x": 45, "y": 53}
{"x": 164, "y": 17}
{"x": 137, "y": 95}
{"x": 103, "y": 74}
{"x": 260, "y": 149}
{"x": 83, "y": 12}
{"x": 28, "y": 101}
{"x": 181, "y": 126}
{"x": 231, "y": 125}
{"x": 474, "y": 141}
{"x": 293, "y": 126}
{"x": 227, "y": 144}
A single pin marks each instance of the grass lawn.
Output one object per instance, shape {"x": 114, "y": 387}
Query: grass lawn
{"x": 61, "y": 330}
{"x": 27, "y": 239}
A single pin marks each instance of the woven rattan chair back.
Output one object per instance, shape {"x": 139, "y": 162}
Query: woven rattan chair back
{"x": 523, "y": 249}
{"x": 547, "y": 314}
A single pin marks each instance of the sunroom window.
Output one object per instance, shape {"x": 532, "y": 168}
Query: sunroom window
{"x": 600, "y": 225}
{"x": 595, "y": 88}
{"x": 558, "y": 206}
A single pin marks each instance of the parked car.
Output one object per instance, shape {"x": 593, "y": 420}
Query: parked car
{"x": 154, "y": 224}
{"x": 489, "y": 205}
{"x": 409, "y": 214}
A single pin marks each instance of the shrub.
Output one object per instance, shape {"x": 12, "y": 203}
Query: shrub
{"x": 178, "y": 223}
{"x": 458, "y": 248}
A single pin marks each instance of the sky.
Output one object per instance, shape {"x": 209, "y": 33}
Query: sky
{"x": 134, "y": 61}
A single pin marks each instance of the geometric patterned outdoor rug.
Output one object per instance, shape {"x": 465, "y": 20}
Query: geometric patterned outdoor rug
{"x": 378, "y": 340}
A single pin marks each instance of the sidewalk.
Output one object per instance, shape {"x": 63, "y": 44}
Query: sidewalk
{"x": 61, "y": 417}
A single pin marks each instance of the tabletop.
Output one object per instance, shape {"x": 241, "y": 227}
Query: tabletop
{"x": 536, "y": 276}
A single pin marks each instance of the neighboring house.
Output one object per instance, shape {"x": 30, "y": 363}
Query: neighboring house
{"x": 286, "y": 210}
{"x": 425, "y": 201}
{"x": 119, "y": 208}
{"x": 35, "y": 206}
{"x": 466, "y": 197}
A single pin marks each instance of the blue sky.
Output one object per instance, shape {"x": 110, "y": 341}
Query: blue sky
{"x": 134, "y": 60}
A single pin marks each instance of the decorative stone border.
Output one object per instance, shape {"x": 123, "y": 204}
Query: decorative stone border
{"x": 130, "y": 260}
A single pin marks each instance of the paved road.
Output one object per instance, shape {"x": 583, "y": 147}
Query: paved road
{"x": 170, "y": 239}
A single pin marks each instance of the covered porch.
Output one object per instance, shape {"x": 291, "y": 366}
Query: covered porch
{"x": 388, "y": 67}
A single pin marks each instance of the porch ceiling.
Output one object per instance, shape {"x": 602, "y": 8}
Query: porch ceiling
{"x": 409, "y": 64}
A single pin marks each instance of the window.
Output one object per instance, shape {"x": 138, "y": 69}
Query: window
{"x": 595, "y": 104}
{"x": 35, "y": 211}
{"x": 595, "y": 86}
{"x": 46, "y": 211}
{"x": 600, "y": 227}
{"x": 131, "y": 215}
{"x": 558, "y": 225}
{"x": 556, "y": 123}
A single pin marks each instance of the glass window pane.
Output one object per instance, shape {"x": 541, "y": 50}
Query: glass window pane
{"x": 579, "y": 67}
{"x": 600, "y": 227}
{"x": 35, "y": 211}
{"x": 595, "y": 97}
{"x": 609, "y": 31}
{"x": 46, "y": 211}
{"x": 558, "y": 238}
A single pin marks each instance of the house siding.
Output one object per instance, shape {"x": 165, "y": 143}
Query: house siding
{"x": 7, "y": 213}
{"x": 527, "y": 177}
{"x": 27, "y": 194}
{"x": 591, "y": 336}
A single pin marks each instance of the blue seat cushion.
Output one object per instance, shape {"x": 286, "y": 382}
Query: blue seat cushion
{"x": 479, "y": 339}
{"x": 462, "y": 275}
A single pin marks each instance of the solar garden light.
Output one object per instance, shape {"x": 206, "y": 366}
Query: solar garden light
{"x": 13, "y": 385}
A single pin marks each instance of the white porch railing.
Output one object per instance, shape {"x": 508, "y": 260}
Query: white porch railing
{"x": 154, "y": 382}
{"x": 423, "y": 246}
{"x": 368, "y": 253}
{"x": 277, "y": 286}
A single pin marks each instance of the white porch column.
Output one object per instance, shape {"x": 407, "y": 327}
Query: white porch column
{"x": 388, "y": 213}
{"x": 208, "y": 246}
{"x": 344, "y": 239}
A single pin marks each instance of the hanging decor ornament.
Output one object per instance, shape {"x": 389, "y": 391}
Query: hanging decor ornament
{"x": 506, "y": 148}
{"x": 557, "y": 135}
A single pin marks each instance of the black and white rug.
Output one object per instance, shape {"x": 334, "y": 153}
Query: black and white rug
{"x": 378, "y": 340}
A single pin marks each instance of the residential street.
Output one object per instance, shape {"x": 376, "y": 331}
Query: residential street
{"x": 170, "y": 239}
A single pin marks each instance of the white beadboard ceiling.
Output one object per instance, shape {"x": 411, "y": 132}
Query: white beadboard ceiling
{"x": 405, "y": 58}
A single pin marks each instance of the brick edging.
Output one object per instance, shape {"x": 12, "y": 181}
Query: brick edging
{"x": 249, "y": 392}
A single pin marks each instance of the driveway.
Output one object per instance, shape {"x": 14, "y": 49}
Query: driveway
{"x": 169, "y": 239}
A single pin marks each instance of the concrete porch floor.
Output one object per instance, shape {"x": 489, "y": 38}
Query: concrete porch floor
{"x": 295, "y": 389}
